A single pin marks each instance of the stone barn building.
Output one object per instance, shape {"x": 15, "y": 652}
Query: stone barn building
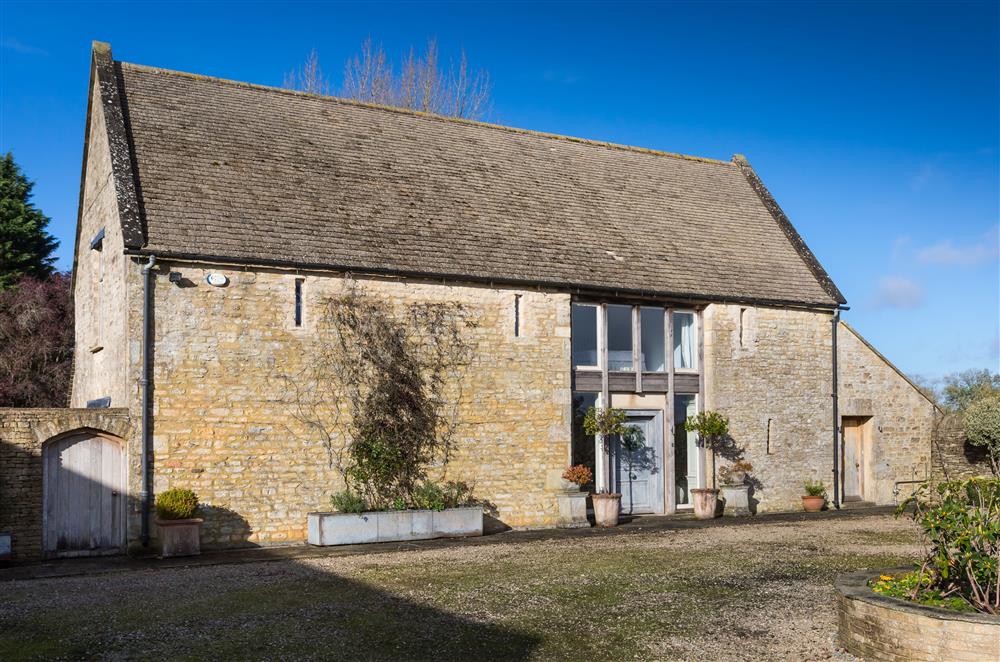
{"x": 216, "y": 217}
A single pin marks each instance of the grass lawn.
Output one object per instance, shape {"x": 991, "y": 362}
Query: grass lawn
{"x": 761, "y": 591}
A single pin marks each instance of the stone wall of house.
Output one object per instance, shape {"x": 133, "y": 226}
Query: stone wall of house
{"x": 23, "y": 432}
{"x": 769, "y": 370}
{"x": 229, "y": 361}
{"x": 99, "y": 281}
{"x": 901, "y": 418}
{"x": 953, "y": 457}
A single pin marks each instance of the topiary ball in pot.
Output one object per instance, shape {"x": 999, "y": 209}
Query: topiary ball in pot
{"x": 179, "y": 529}
{"x": 176, "y": 503}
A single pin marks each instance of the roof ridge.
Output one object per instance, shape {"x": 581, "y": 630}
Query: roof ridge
{"x": 431, "y": 116}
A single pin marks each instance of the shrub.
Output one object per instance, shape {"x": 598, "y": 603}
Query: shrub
{"x": 578, "y": 475}
{"x": 815, "y": 488}
{"x": 348, "y": 502}
{"x": 982, "y": 426}
{"x": 176, "y": 503}
{"x": 606, "y": 422}
{"x": 712, "y": 428}
{"x": 961, "y": 519}
{"x": 435, "y": 496}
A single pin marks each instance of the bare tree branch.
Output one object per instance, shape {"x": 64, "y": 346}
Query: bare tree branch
{"x": 420, "y": 84}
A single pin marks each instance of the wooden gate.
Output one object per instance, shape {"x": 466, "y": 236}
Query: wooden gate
{"x": 84, "y": 506}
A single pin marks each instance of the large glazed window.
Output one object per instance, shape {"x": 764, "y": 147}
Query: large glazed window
{"x": 584, "y": 331}
{"x": 652, "y": 340}
{"x": 685, "y": 341}
{"x": 619, "y": 337}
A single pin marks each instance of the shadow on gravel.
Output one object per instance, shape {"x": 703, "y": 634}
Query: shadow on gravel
{"x": 276, "y": 610}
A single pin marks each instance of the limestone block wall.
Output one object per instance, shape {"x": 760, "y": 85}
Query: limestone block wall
{"x": 952, "y": 456}
{"x": 769, "y": 370}
{"x": 902, "y": 419}
{"x": 227, "y": 359}
{"x": 23, "y": 432}
{"x": 99, "y": 280}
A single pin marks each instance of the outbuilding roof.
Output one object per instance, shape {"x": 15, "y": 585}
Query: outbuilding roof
{"x": 237, "y": 172}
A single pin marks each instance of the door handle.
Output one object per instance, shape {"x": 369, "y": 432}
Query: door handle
{"x": 114, "y": 492}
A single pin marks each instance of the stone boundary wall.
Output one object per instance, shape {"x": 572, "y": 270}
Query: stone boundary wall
{"x": 23, "y": 432}
{"x": 875, "y": 627}
{"x": 953, "y": 457}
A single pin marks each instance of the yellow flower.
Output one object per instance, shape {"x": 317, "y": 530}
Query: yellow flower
{"x": 885, "y": 578}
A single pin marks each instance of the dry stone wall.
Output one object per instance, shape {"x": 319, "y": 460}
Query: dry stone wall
{"x": 902, "y": 418}
{"x": 769, "y": 371}
{"x": 99, "y": 279}
{"x": 228, "y": 361}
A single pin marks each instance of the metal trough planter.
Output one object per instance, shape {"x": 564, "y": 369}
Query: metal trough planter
{"x": 395, "y": 525}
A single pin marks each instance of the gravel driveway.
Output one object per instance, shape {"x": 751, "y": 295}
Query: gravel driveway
{"x": 728, "y": 593}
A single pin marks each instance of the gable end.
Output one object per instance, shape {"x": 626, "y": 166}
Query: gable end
{"x": 794, "y": 238}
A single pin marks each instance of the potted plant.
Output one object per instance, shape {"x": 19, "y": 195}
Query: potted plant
{"x": 735, "y": 491}
{"x": 815, "y": 496}
{"x": 573, "y": 501}
{"x": 713, "y": 431}
{"x": 606, "y": 422}
{"x": 180, "y": 529}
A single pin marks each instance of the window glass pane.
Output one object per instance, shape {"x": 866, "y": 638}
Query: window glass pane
{"x": 619, "y": 337}
{"x": 686, "y": 456}
{"x": 584, "y": 331}
{"x": 684, "y": 341}
{"x": 583, "y": 443}
{"x": 653, "y": 344}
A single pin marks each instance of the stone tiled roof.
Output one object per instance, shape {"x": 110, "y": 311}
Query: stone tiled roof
{"x": 263, "y": 175}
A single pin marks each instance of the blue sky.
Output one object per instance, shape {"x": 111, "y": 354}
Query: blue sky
{"x": 875, "y": 125}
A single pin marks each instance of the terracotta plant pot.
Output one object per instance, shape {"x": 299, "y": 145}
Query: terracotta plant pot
{"x": 180, "y": 537}
{"x": 813, "y": 504}
{"x": 706, "y": 503}
{"x": 606, "y": 509}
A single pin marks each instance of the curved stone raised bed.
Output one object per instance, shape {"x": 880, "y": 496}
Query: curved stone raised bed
{"x": 875, "y": 627}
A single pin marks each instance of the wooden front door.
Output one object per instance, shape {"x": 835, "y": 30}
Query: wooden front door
{"x": 852, "y": 433}
{"x": 638, "y": 475}
{"x": 84, "y": 504}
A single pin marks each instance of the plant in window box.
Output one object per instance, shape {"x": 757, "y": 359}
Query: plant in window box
{"x": 607, "y": 422}
{"x": 712, "y": 429}
{"x": 573, "y": 501}
{"x": 178, "y": 524}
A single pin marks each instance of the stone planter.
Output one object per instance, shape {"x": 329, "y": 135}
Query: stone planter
{"x": 179, "y": 537}
{"x": 737, "y": 498}
{"x": 706, "y": 502}
{"x": 876, "y": 627}
{"x": 813, "y": 504}
{"x": 606, "y": 509}
{"x": 572, "y": 509}
{"x": 394, "y": 525}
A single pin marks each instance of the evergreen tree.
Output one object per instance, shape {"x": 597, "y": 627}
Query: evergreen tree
{"x": 25, "y": 247}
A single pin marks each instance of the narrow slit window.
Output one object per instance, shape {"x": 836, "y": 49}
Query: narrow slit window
{"x": 517, "y": 315}
{"x": 743, "y": 324}
{"x": 298, "y": 302}
{"x": 770, "y": 446}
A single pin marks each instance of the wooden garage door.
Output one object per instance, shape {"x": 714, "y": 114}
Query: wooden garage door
{"x": 84, "y": 505}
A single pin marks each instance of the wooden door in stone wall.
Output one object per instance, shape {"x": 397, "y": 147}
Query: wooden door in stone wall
{"x": 854, "y": 460}
{"x": 83, "y": 504}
